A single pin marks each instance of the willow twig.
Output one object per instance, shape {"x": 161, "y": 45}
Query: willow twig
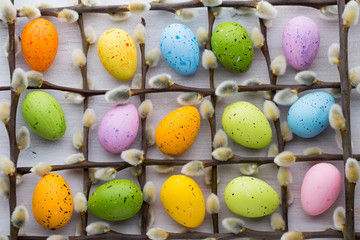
{"x": 144, "y": 146}
{"x": 328, "y": 233}
{"x": 173, "y": 7}
{"x": 85, "y": 148}
{"x": 349, "y": 232}
{"x": 236, "y": 159}
{"x": 212, "y": 120}
{"x": 280, "y": 141}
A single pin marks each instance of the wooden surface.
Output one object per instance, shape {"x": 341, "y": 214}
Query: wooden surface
{"x": 62, "y": 72}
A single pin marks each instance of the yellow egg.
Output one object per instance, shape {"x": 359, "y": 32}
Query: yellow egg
{"x": 52, "y": 202}
{"x": 117, "y": 53}
{"x": 178, "y": 130}
{"x": 183, "y": 200}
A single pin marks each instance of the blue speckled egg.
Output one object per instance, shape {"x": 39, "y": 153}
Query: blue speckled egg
{"x": 309, "y": 115}
{"x": 180, "y": 48}
{"x": 300, "y": 42}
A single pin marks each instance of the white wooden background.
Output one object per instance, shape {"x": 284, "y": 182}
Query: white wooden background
{"x": 62, "y": 72}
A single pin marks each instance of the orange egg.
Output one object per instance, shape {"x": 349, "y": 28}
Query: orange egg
{"x": 39, "y": 44}
{"x": 178, "y": 130}
{"x": 52, "y": 202}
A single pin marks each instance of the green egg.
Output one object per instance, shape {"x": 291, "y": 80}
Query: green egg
{"x": 247, "y": 125}
{"x": 250, "y": 197}
{"x": 116, "y": 200}
{"x": 44, "y": 115}
{"x": 232, "y": 46}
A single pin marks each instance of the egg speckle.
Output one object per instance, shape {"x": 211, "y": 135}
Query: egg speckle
{"x": 39, "y": 44}
{"x": 320, "y": 188}
{"x": 309, "y": 115}
{"x": 247, "y": 125}
{"x": 52, "y": 202}
{"x": 118, "y": 128}
{"x": 117, "y": 53}
{"x": 232, "y": 46}
{"x": 250, "y": 197}
{"x": 180, "y": 48}
{"x": 183, "y": 200}
{"x": 116, "y": 200}
{"x": 178, "y": 130}
{"x": 44, "y": 115}
{"x": 300, "y": 42}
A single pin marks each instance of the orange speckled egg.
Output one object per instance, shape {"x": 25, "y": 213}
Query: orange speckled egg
{"x": 52, "y": 202}
{"x": 117, "y": 53}
{"x": 178, "y": 130}
{"x": 39, "y": 44}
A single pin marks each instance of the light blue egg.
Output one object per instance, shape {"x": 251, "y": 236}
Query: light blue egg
{"x": 180, "y": 48}
{"x": 309, "y": 115}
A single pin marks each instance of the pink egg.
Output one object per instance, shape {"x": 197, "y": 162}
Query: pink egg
{"x": 118, "y": 128}
{"x": 320, "y": 188}
{"x": 300, "y": 42}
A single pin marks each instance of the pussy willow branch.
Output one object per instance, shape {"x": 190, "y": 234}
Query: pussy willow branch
{"x": 206, "y": 162}
{"x": 11, "y": 128}
{"x": 180, "y": 88}
{"x": 349, "y": 232}
{"x": 144, "y": 146}
{"x": 85, "y": 148}
{"x": 173, "y": 7}
{"x": 212, "y": 120}
{"x": 246, "y": 233}
{"x": 280, "y": 141}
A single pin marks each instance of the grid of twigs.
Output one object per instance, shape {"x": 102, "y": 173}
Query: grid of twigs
{"x": 348, "y": 233}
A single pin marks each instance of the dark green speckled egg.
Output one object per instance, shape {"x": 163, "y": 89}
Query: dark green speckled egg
{"x": 232, "y": 46}
{"x": 116, "y": 200}
{"x": 44, "y": 115}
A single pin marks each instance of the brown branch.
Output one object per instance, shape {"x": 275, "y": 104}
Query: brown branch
{"x": 343, "y": 67}
{"x": 173, "y": 7}
{"x": 280, "y": 140}
{"x": 85, "y": 148}
{"x": 144, "y": 146}
{"x": 246, "y": 233}
{"x": 212, "y": 120}
{"x": 11, "y": 129}
{"x": 207, "y": 162}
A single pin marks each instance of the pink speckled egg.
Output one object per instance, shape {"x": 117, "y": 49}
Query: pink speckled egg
{"x": 320, "y": 188}
{"x": 118, "y": 128}
{"x": 300, "y": 42}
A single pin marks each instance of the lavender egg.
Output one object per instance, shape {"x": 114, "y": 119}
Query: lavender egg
{"x": 300, "y": 42}
{"x": 118, "y": 128}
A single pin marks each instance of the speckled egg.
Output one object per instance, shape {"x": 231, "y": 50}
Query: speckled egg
{"x": 320, "y": 188}
{"x": 39, "y": 44}
{"x": 118, "y": 128}
{"x": 117, "y": 53}
{"x": 300, "y": 42}
{"x": 247, "y": 125}
{"x": 232, "y": 46}
{"x": 52, "y": 202}
{"x": 183, "y": 200}
{"x": 309, "y": 115}
{"x": 250, "y": 197}
{"x": 180, "y": 48}
{"x": 116, "y": 200}
{"x": 178, "y": 130}
{"x": 44, "y": 115}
